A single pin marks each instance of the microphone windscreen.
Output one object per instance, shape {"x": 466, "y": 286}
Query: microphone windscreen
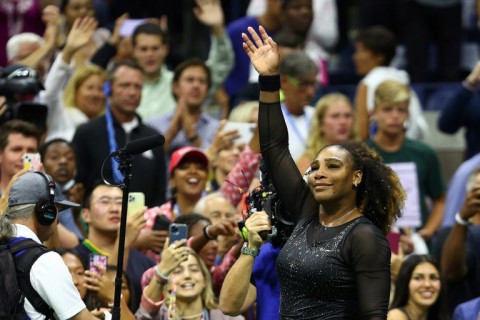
{"x": 144, "y": 144}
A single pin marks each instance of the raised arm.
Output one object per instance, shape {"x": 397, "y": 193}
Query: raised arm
{"x": 263, "y": 54}
{"x": 455, "y": 114}
{"x": 237, "y": 293}
{"x": 221, "y": 56}
{"x": 454, "y": 252}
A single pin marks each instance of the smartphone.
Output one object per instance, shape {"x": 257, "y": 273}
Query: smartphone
{"x": 32, "y": 161}
{"x": 95, "y": 260}
{"x": 129, "y": 26}
{"x": 393, "y": 239}
{"x": 177, "y": 231}
{"x": 136, "y": 202}
{"x": 245, "y": 130}
{"x": 161, "y": 223}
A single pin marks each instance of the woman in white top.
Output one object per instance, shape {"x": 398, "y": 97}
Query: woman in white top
{"x": 83, "y": 98}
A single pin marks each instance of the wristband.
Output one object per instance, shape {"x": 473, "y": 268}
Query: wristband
{"x": 269, "y": 83}
{"x": 161, "y": 275}
{"x": 207, "y": 234}
{"x": 461, "y": 221}
{"x": 246, "y": 250}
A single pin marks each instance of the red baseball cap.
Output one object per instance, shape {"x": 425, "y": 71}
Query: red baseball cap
{"x": 183, "y": 152}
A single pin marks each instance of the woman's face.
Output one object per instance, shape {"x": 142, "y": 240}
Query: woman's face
{"x": 189, "y": 280}
{"x": 228, "y": 157}
{"x": 90, "y": 98}
{"x": 365, "y": 60}
{"x": 332, "y": 176}
{"x": 189, "y": 177}
{"x": 424, "y": 286}
{"x": 59, "y": 162}
{"x": 78, "y": 9}
{"x": 77, "y": 271}
{"x": 209, "y": 251}
{"x": 337, "y": 122}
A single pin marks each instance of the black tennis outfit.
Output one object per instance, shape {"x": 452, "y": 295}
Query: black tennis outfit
{"x": 340, "y": 272}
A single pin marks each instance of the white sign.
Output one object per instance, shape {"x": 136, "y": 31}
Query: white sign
{"x": 411, "y": 213}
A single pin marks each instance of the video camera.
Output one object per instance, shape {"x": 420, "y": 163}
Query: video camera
{"x": 265, "y": 198}
{"x": 19, "y": 85}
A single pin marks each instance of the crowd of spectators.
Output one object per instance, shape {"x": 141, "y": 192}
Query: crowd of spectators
{"x": 80, "y": 79}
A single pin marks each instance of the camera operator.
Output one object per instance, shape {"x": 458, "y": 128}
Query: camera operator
{"x": 254, "y": 279}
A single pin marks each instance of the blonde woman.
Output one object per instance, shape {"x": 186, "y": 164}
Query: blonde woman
{"x": 332, "y": 123}
{"x": 83, "y": 98}
{"x": 181, "y": 288}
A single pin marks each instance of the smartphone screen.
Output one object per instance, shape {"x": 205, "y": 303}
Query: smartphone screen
{"x": 394, "y": 241}
{"x": 129, "y": 26}
{"x": 95, "y": 260}
{"x": 31, "y": 161}
{"x": 177, "y": 231}
{"x": 136, "y": 202}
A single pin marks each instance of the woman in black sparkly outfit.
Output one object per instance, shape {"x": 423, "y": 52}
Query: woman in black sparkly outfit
{"x": 336, "y": 263}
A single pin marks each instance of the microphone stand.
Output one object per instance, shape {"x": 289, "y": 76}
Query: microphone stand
{"x": 125, "y": 167}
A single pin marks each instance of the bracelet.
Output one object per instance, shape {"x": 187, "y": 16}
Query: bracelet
{"x": 193, "y": 139}
{"x": 207, "y": 234}
{"x": 160, "y": 282}
{"x": 269, "y": 83}
{"x": 161, "y": 275}
{"x": 461, "y": 221}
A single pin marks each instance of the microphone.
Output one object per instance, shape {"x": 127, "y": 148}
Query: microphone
{"x": 141, "y": 145}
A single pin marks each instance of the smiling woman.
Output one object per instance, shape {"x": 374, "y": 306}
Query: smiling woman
{"x": 420, "y": 291}
{"x": 332, "y": 122}
{"x": 181, "y": 288}
{"x": 336, "y": 263}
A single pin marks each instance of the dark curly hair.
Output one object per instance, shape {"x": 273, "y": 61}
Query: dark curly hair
{"x": 380, "y": 195}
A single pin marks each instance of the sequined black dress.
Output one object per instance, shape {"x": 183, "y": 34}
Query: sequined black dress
{"x": 324, "y": 273}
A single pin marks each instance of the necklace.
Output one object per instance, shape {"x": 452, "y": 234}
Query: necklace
{"x": 342, "y": 216}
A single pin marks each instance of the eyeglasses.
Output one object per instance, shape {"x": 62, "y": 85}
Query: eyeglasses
{"x": 105, "y": 201}
{"x": 302, "y": 84}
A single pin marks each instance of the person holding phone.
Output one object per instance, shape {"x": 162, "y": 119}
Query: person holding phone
{"x": 102, "y": 212}
{"x": 181, "y": 288}
{"x": 459, "y": 256}
{"x": 336, "y": 263}
{"x": 17, "y": 137}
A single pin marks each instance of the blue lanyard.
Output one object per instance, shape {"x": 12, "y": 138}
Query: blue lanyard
{"x": 112, "y": 143}
{"x": 290, "y": 120}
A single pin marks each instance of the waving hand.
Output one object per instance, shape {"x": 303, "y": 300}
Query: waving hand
{"x": 263, "y": 51}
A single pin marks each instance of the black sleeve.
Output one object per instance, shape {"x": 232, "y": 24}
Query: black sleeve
{"x": 286, "y": 178}
{"x": 455, "y": 114}
{"x": 103, "y": 55}
{"x": 368, "y": 252}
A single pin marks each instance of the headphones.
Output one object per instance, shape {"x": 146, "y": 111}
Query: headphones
{"x": 45, "y": 210}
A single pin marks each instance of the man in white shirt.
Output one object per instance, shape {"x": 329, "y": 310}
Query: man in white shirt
{"x": 299, "y": 84}
{"x": 32, "y": 214}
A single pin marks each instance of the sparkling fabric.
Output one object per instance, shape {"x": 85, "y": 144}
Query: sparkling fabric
{"x": 338, "y": 272}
